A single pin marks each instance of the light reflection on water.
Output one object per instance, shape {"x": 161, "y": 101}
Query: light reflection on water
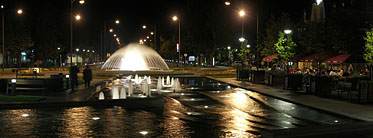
{"x": 230, "y": 113}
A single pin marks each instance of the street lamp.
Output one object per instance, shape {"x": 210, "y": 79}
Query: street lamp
{"x": 19, "y": 11}
{"x": 104, "y": 45}
{"x": 287, "y": 31}
{"x": 77, "y": 50}
{"x": 174, "y": 18}
{"x": 227, "y": 3}
{"x": 152, "y": 33}
{"x": 248, "y": 46}
{"x": 241, "y": 39}
{"x": 77, "y": 17}
{"x": 229, "y": 55}
{"x": 71, "y": 29}
{"x": 59, "y": 52}
{"x": 242, "y": 13}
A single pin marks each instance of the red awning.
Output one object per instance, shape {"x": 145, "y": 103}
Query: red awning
{"x": 315, "y": 57}
{"x": 269, "y": 58}
{"x": 338, "y": 59}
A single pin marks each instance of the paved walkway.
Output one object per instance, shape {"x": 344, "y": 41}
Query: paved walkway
{"x": 81, "y": 94}
{"x": 355, "y": 111}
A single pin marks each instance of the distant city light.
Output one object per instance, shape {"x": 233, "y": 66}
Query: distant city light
{"x": 116, "y": 21}
{"x": 111, "y": 30}
{"x": 227, "y": 3}
{"x": 25, "y": 115}
{"x": 151, "y": 33}
{"x": 248, "y": 46}
{"x": 144, "y": 27}
{"x": 19, "y": 11}
{"x": 229, "y": 47}
{"x": 143, "y": 132}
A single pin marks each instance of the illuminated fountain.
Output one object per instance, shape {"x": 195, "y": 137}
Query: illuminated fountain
{"x": 135, "y": 57}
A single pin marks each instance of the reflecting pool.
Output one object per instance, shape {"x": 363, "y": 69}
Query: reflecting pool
{"x": 204, "y": 108}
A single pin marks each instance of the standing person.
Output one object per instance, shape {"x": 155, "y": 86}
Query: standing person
{"x": 74, "y": 77}
{"x": 87, "y": 76}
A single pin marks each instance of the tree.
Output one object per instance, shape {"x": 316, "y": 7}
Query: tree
{"x": 271, "y": 32}
{"x": 285, "y": 47}
{"x": 368, "y": 55}
{"x": 244, "y": 52}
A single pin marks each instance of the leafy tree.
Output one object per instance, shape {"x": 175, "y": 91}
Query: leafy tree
{"x": 18, "y": 40}
{"x": 368, "y": 55}
{"x": 271, "y": 33}
{"x": 243, "y": 54}
{"x": 285, "y": 47}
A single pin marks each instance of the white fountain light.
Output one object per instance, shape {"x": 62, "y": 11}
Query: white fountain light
{"x": 96, "y": 118}
{"x": 135, "y": 57}
{"x": 143, "y": 132}
{"x": 25, "y": 115}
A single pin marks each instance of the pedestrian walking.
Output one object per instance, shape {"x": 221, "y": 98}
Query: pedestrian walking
{"x": 87, "y": 76}
{"x": 74, "y": 77}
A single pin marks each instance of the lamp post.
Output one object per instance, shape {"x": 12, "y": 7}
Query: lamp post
{"x": 174, "y": 18}
{"x": 77, "y": 50}
{"x": 2, "y": 34}
{"x": 229, "y": 55}
{"x": 104, "y": 46}
{"x": 59, "y": 52}
{"x": 71, "y": 28}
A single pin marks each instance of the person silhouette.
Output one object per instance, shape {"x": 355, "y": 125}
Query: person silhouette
{"x": 87, "y": 76}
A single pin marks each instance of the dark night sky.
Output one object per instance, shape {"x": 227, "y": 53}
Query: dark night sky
{"x": 133, "y": 14}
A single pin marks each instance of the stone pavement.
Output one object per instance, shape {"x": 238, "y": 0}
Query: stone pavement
{"x": 351, "y": 110}
{"x": 81, "y": 94}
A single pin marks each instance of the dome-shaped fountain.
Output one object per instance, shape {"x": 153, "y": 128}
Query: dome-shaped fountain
{"x": 135, "y": 57}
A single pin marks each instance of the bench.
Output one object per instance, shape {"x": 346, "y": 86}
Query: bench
{"x": 23, "y": 85}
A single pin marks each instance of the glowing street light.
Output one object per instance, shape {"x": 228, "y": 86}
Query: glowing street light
{"x": 287, "y": 31}
{"x": 115, "y": 35}
{"x": 229, "y": 47}
{"x": 116, "y": 21}
{"x": 241, "y": 39}
{"x": 174, "y": 18}
{"x": 77, "y": 50}
{"x": 151, "y": 33}
{"x": 248, "y": 46}
{"x": 111, "y": 30}
{"x": 77, "y": 17}
{"x": 144, "y": 27}
{"x": 147, "y": 37}
{"x": 227, "y": 3}
{"x": 81, "y": 1}
{"x": 19, "y": 11}
{"x": 242, "y": 13}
